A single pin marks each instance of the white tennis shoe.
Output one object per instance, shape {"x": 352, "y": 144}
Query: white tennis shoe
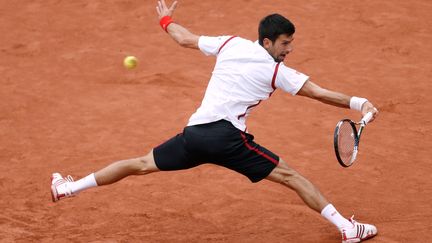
{"x": 359, "y": 232}
{"x": 60, "y": 187}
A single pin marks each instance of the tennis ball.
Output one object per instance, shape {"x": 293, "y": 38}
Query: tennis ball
{"x": 130, "y": 62}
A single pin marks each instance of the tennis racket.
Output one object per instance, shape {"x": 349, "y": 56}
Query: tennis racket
{"x": 347, "y": 139}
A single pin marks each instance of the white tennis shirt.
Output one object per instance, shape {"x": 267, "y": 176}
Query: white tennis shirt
{"x": 244, "y": 75}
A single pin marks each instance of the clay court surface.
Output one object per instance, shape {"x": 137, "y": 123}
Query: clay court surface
{"x": 68, "y": 105}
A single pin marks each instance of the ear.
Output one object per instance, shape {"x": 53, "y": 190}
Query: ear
{"x": 267, "y": 43}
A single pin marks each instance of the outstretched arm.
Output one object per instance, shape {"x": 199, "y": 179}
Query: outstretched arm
{"x": 314, "y": 91}
{"x": 179, "y": 33}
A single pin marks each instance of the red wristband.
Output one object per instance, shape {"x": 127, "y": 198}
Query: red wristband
{"x": 165, "y": 21}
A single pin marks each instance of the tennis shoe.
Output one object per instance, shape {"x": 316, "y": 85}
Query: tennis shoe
{"x": 61, "y": 187}
{"x": 358, "y": 232}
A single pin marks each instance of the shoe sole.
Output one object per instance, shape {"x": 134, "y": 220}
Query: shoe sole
{"x": 53, "y": 191}
{"x": 359, "y": 240}
{"x": 53, "y": 194}
{"x": 369, "y": 236}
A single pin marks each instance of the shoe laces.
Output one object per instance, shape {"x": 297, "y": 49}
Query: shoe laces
{"x": 352, "y": 220}
{"x": 69, "y": 178}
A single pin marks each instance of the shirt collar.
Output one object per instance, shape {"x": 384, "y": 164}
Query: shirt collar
{"x": 264, "y": 50}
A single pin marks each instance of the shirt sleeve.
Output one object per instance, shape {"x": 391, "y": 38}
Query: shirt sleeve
{"x": 211, "y": 45}
{"x": 290, "y": 80}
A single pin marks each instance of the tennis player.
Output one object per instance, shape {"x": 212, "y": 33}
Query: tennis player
{"x": 245, "y": 74}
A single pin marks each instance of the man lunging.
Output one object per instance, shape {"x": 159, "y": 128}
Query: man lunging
{"x": 245, "y": 74}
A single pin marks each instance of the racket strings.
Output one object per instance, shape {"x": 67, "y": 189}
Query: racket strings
{"x": 346, "y": 142}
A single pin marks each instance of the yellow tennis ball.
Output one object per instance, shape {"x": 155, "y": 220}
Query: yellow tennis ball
{"x": 130, "y": 62}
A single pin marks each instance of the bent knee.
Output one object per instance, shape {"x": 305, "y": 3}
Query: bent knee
{"x": 146, "y": 164}
{"x": 290, "y": 178}
{"x": 288, "y": 175}
{"x": 284, "y": 174}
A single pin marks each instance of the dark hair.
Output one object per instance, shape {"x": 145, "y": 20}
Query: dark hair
{"x": 274, "y": 25}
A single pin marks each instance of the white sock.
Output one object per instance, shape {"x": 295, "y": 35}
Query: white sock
{"x": 331, "y": 214}
{"x": 83, "y": 183}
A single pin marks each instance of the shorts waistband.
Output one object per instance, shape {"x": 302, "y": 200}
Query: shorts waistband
{"x": 215, "y": 124}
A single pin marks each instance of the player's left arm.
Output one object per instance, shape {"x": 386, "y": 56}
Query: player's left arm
{"x": 179, "y": 33}
{"x": 330, "y": 97}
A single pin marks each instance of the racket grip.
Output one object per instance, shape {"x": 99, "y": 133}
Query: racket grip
{"x": 365, "y": 120}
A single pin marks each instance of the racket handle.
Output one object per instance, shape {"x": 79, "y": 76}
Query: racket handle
{"x": 365, "y": 120}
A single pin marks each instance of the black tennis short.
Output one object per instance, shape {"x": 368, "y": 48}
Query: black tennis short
{"x": 218, "y": 143}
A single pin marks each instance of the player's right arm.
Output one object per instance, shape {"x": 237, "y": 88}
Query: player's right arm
{"x": 179, "y": 33}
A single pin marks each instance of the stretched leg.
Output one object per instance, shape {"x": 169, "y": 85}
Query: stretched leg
{"x": 305, "y": 189}
{"x": 121, "y": 169}
{"x": 351, "y": 230}
{"x": 66, "y": 187}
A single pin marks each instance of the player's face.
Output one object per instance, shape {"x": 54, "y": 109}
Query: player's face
{"x": 281, "y": 47}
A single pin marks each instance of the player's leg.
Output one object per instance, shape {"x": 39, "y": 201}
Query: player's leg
{"x": 121, "y": 169}
{"x": 66, "y": 187}
{"x": 170, "y": 155}
{"x": 351, "y": 230}
{"x": 304, "y": 188}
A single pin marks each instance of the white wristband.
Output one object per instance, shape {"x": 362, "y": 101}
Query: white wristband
{"x": 356, "y": 103}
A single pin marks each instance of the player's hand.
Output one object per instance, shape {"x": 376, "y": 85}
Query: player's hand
{"x": 163, "y": 10}
{"x": 369, "y": 107}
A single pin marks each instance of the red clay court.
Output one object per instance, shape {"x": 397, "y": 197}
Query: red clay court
{"x": 68, "y": 105}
